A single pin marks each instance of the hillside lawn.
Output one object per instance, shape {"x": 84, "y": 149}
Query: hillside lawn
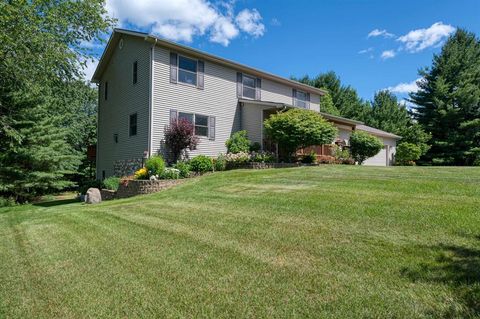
{"x": 310, "y": 242}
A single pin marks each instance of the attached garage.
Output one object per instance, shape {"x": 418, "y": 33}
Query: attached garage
{"x": 386, "y": 156}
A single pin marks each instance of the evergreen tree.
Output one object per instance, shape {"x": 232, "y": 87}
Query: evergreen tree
{"x": 41, "y": 56}
{"x": 39, "y": 163}
{"x": 344, "y": 98}
{"x": 387, "y": 114}
{"x": 327, "y": 106}
{"x": 448, "y": 101}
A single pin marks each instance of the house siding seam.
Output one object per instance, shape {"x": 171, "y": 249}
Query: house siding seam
{"x": 124, "y": 98}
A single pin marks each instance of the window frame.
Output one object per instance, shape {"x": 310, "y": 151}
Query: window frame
{"x": 178, "y": 70}
{"x": 254, "y": 87}
{"x": 130, "y": 126}
{"x": 304, "y": 101}
{"x": 135, "y": 72}
{"x": 194, "y": 117}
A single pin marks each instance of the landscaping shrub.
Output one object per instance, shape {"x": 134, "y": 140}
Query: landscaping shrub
{"x": 299, "y": 128}
{"x": 262, "y": 157}
{"x": 155, "y": 165}
{"x": 238, "y": 142}
{"x": 183, "y": 168}
{"x": 364, "y": 145}
{"x": 309, "y": 158}
{"x": 201, "y": 164}
{"x": 407, "y": 154}
{"x": 142, "y": 173}
{"x": 111, "y": 183}
{"x": 326, "y": 159}
{"x": 342, "y": 156}
{"x": 170, "y": 173}
{"x": 7, "y": 202}
{"x": 255, "y": 147}
{"x": 236, "y": 160}
{"x": 179, "y": 136}
{"x": 220, "y": 163}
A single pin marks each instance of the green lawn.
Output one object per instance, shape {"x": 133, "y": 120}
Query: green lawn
{"x": 317, "y": 242}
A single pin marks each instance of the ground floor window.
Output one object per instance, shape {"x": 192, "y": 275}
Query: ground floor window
{"x": 200, "y": 122}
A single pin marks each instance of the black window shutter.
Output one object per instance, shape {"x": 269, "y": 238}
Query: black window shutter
{"x": 173, "y": 115}
{"x": 211, "y": 127}
{"x": 294, "y": 96}
{"x": 258, "y": 89}
{"x": 239, "y": 85}
{"x": 173, "y": 67}
{"x": 308, "y": 101}
{"x": 200, "y": 74}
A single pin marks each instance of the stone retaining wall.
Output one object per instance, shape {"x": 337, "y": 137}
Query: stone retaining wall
{"x": 107, "y": 194}
{"x": 131, "y": 188}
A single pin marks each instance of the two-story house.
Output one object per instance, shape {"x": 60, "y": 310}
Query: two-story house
{"x": 145, "y": 82}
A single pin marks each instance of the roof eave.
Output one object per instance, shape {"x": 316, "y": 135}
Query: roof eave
{"x": 169, "y": 44}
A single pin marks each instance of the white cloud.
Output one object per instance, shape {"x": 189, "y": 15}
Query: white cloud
{"x": 420, "y": 39}
{"x": 406, "y": 87}
{"x": 223, "y": 31}
{"x": 249, "y": 21}
{"x": 388, "y": 54}
{"x": 378, "y": 33}
{"x": 365, "y": 51}
{"x": 182, "y": 20}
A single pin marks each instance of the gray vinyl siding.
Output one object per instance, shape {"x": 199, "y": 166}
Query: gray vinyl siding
{"x": 252, "y": 120}
{"x": 280, "y": 93}
{"x": 218, "y": 98}
{"x": 124, "y": 98}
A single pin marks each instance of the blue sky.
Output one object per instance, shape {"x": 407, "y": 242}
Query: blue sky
{"x": 307, "y": 37}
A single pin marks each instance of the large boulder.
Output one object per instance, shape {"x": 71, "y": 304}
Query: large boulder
{"x": 93, "y": 196}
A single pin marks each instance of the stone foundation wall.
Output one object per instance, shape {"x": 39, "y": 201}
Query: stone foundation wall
{"x": 126, "y": 167}
{"x": 131, "y": 188}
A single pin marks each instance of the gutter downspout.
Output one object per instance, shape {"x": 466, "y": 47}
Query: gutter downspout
{"x": 150, "y": 104}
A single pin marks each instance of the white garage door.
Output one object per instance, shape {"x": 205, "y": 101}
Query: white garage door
{"x": 380, "y": 159}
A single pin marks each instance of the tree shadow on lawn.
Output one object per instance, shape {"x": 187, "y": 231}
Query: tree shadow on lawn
{"x": 57, "y": 202}
{"x": 458, "y": 268}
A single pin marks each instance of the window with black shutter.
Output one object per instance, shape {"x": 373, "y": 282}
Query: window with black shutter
{"x": 135, "y": 72}
{"x": 133, "y": 125}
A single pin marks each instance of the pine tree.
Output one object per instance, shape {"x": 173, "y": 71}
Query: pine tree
{"x": 327, "y": 106}
{"x": 40, "y": 163}
{"x": 387, "y": 114}
{"x": 345, "y": 98}
{"x": 448, "y": 102}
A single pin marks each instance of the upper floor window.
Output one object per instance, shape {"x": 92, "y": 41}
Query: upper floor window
{"x": 300, "y": 99}
{"x": 249, "y": 86}
{"x": 187, "y": 70}
{"x": 105, "y": 93}
{"x": 135, "y": 72}
{"x": 133, "y": 125}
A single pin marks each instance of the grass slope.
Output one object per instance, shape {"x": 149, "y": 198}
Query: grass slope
{"x": 318, "y": 242}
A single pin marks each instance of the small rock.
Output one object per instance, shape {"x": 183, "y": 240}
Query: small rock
{"x": 93, "y": 196}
